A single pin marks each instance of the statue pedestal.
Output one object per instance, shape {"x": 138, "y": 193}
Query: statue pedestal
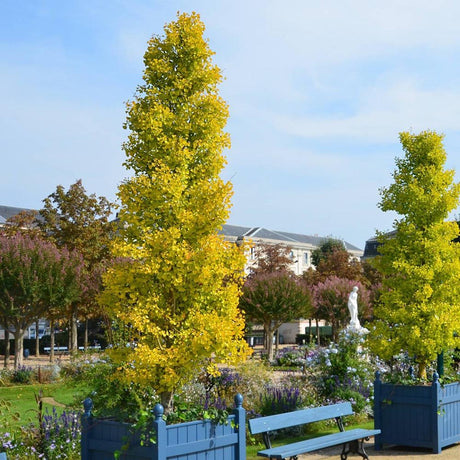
{"x": 356, "y": 328}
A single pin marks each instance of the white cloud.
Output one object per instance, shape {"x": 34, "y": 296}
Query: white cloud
{"x": 382, "y": 114}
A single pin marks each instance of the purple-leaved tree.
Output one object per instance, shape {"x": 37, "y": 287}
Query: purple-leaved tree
{"x": 330, "y": 299}
{"x": 35, "y": 276}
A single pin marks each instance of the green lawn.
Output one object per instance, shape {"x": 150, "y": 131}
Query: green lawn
{"x": 18, "y": 404}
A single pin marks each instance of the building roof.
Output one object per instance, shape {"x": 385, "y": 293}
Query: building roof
{"x": 235, "y": 231}
{"x": 372, "y": 244}
{"x": 7, "y": 212}
{"x": 230, "y": 231}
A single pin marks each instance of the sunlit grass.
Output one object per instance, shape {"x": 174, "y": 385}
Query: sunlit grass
{"x": 22, "y": 404}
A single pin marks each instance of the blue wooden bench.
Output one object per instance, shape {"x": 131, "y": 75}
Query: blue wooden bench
{"x": 352, "y": 440}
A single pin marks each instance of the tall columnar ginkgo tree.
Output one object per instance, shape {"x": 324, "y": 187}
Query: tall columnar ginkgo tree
{"x": 178, "y": 284}
{"x": 419, "y": 308}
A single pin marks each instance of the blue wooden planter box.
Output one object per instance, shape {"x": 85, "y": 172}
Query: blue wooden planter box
{"x": 197, "y": 440}
{"x": 417, "y": 416}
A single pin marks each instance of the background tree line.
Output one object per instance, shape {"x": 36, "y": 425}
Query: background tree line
{"x": 51, "y": 265}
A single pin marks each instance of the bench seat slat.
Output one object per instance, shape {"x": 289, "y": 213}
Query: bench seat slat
{"x": 299, "y": 417}
{"x": 320, "y": 442}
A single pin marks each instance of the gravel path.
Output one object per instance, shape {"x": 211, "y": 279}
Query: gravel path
{"x": 405, "y": 453}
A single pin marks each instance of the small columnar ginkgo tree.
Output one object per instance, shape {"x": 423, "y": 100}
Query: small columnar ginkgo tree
{"x": 179, "y": 282}
{"x": 419, "y": 307}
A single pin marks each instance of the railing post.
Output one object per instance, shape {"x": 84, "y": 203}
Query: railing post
{"x": 377, "y": 411}
{"x": 240, "y": 420}
{"x": 436, "y": 425}
{"x": 159, "y": 426}
{"x": 86, "y": 419}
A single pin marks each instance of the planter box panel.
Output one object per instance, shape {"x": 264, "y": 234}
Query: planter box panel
{"x": 395, "y": 416}
{"x": 187, "y": 440}
{"x": 417, "y": 416}
{"x": 106, "y": 437}
{"x": 199, "y": 440}
{"x": 449, "y": 414}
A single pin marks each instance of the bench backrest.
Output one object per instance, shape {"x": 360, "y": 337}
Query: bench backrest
{"x": 298, "y": 417}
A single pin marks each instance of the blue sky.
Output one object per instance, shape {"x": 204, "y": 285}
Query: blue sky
{"x": 318, "y": 92}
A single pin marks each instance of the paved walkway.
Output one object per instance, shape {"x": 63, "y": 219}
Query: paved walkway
{"x": 388, "y": 453}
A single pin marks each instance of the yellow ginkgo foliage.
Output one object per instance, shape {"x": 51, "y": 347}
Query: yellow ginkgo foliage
{"x": 419, "y": 307}
{"x": 178, "y": 283}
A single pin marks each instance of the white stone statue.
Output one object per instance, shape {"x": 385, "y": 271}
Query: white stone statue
{"x": 353, "y": 309}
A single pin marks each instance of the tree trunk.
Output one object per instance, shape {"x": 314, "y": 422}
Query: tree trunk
{"x": 166, "y": 399}
{"x": 86, "y": 336}
{"x": 422, "y": 371}
{"x": 108, "y": 330}
{"x": 18, "y": 347}
{"x": 37, "y": 338}
{"x": 318, "y": 339}
{"x": 269, "y": 340}
{"x": 74, "y": 344}
{"x": 52, "y": 341}
{"x": 7, "y": 348}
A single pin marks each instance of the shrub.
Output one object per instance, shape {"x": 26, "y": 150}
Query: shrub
{"x": 343, "y": 372}
{"x": 100, "y": 379}
{"x": 23, "y": 374}
{"x": 290, "y": 357}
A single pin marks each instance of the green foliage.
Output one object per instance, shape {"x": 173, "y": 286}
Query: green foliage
{"x": 326, "y": 248}
{"x": 114, "y": 397}
{"x": 187, "y": 412}
{"x": 419, "y": 308}
{"x": 78, "y": 221}
{"x": 23, "y": 374}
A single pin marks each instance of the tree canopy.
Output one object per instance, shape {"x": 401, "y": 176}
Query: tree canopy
{"x": 419, "y": 308}
{"x": 179, "y": 282}
{"x": 325, "y": 249}
{"x": 79, "y": 221}
{"x": 272, "y": 293}
{"x": 35, "y": 276}
{"x": 274, "y": 298}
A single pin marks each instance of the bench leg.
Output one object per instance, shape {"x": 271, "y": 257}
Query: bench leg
{"x": 355, "y": 447}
